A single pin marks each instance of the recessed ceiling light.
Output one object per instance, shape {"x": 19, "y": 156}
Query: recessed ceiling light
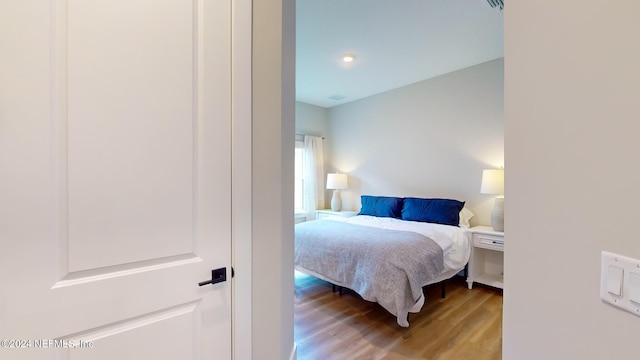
{"x": 348, "y": 58}
{"x": 337, "y": 97}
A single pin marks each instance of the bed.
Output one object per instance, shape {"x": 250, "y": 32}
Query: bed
{"x": 389, "y": 251}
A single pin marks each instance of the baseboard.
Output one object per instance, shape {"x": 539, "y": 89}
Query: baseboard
{"x": 294, "y": 352}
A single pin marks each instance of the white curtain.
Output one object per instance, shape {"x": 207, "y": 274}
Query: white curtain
{"x": 313, "y": 176}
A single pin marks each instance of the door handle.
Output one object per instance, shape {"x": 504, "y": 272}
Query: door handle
{"x": 217, "y": 276}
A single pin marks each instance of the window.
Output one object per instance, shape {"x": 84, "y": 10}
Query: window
{"x": 299, "y": 178}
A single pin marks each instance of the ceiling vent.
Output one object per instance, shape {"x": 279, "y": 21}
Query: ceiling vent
{"x": 496, "y": 3}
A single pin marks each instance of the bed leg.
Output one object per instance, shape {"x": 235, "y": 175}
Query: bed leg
{"x": 334, "y": 287}
{"x": 442, "y": 288}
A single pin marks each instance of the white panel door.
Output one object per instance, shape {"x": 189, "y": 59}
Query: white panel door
{"x": 115, "y": 179}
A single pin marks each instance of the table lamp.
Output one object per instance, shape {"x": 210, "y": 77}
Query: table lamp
{"x": 493, "y": 183}
{"x": 336, "y": 182}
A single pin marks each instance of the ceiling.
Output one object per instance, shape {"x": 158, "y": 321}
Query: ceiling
{"x": 396, "y": 43}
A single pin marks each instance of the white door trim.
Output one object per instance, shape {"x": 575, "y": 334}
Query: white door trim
{"x": 241, "y": 177}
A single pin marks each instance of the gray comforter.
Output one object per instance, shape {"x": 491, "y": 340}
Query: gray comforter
{"x": 385, "y": 266}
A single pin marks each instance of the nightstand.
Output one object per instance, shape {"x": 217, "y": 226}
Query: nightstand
{"x": 323, "y": 214}
{"x": 486, "y": 265}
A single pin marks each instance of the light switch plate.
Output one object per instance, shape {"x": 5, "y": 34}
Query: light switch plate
{"x": 634, "y": 288}
{"x": 620, "y": 281}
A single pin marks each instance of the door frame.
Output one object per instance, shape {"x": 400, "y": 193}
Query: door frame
{"x": 241, "y": 174}
{"x": 263, "y": 127}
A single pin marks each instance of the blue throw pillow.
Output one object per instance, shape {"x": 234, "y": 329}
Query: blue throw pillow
{"x": 439, "y": 211}
{"x": 381, "y": 206}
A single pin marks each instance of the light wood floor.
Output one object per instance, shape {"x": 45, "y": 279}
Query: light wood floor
{"x": 467, "y": 324}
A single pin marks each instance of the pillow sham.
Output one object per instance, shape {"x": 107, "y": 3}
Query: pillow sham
{"x": 439, "y": 211}
{"x": 381, "y": 206}
{"x": 465, "y": 217}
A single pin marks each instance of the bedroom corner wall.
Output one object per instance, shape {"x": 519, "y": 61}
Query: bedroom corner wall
{"x": 428, "y": 139}
{"x": 571, "y": 131}
{"x": 311, "y": 120}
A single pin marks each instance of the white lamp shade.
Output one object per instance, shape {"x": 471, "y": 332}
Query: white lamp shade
{"x": 336, "y": 181}
{"x": 492, "y": 182}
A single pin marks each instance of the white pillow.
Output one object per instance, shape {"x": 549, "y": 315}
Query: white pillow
{"x": 465, "y": 216}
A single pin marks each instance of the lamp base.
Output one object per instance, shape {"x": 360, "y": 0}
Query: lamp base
{"x": 336, "y": 201}
{"x": 497, "y": 214}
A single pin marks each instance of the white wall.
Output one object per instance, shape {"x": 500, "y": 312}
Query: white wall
{"x": 572, "y": 175}
{"x": 311, "y": 120}
{"x": 429, "y": 139}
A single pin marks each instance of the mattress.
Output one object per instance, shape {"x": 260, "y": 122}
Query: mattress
{"x": 374, "y": 261}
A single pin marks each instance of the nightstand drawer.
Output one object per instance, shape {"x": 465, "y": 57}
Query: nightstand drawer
{"x": 489, "y": 242}
{"x": 323, "y": 214}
